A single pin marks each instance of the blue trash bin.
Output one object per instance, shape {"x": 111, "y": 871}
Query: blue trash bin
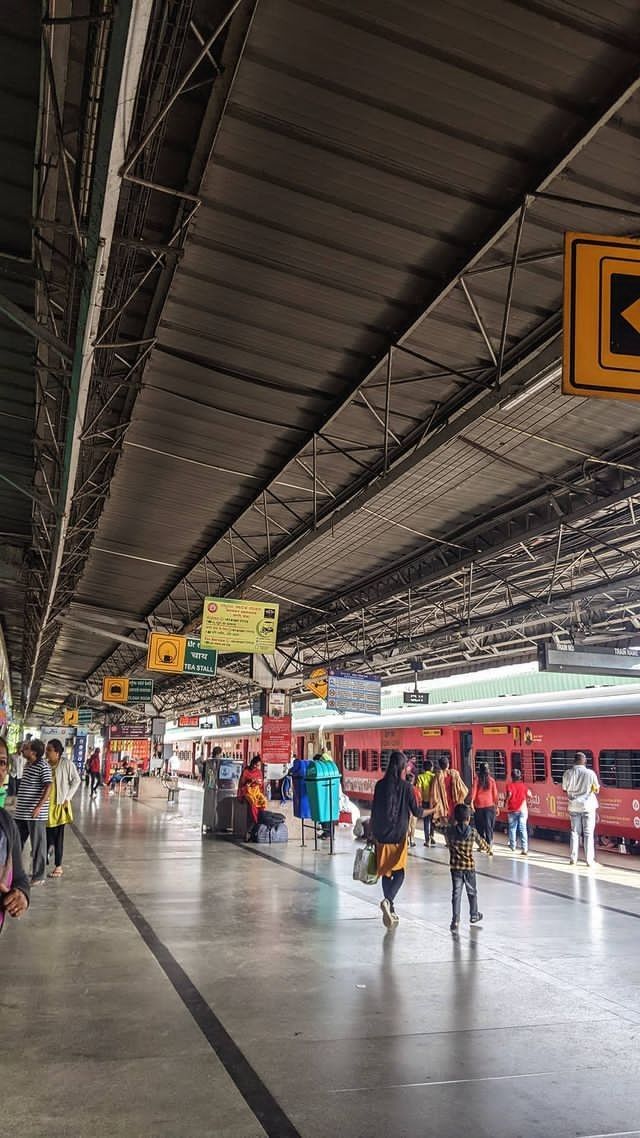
{"x": 301, "y": 807}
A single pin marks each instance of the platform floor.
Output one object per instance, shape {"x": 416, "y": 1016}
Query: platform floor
{"x": 174, "y": 987}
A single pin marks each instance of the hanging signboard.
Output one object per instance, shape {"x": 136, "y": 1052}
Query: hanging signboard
{"x": 123, "y": 689}
{"x": 598, "y": 661}
{"x": 169, "y": 653}
{"x": 415, "y": 697}
{"x": 79, "y": 752}
{"x": 348, "y": 691}
{"x": 276, "y": 704}
{"x": 601, "y": 316}
{"x": 188, "y": 721}
{"x": 275, "y": 742}
{"x": 70, "y": 717}
{"x": 165, "y": 652}
{"x": 228, "y": 719}
{"x": 129, "y": 731}
{"x": 318, "y": 682}
{"x": 239, "y": 626}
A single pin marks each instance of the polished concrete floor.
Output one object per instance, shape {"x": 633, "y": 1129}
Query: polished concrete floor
{"x": 173, "y": 987}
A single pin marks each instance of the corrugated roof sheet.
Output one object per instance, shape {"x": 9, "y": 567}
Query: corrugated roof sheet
{"x": 366, "y": 154}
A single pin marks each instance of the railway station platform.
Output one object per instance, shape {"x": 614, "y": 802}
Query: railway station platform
{"x": 170, "y": 986}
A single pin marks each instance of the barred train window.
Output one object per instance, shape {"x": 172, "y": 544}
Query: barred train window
{"x": 495, "y": 760}
{"x": 531, "y": 764}
{"x": 562, "y": 760}
{"x": 351, "y": 760}
{"x": 384, "y": 760}
{"x": 370, "y": 760}
{"x": 418, "y": 759}
{"x": 620, "y": 768}
{"x": 434, "y": 755}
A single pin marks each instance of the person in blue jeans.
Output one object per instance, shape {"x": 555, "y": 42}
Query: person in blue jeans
{"x": 516, "y": 805}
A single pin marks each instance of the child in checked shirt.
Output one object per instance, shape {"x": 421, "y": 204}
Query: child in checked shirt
{"x": 461, "y": 838}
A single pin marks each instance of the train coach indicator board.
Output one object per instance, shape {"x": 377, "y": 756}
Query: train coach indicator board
{"x": 601, "y": 354}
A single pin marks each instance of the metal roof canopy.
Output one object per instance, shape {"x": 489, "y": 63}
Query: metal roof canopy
{"x": 369, "y": 275}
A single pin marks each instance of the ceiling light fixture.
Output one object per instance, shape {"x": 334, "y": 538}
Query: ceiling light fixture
{"x": 529, "y": 392}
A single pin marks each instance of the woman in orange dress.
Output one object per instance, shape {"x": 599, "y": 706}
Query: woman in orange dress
{"x": 251, "y": 788}
{"x": 394, "y": 802}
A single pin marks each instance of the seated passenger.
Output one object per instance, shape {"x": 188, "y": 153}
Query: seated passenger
{"x": 250, "y": 788}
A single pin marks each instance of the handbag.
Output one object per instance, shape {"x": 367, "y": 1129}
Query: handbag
{"x": 365, "y": 867}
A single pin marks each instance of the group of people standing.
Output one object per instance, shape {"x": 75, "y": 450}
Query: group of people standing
{"x": 42, "y": 790}
{"x": 440, "y": 798}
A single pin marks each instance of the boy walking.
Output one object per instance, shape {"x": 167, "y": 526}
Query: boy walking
{"x": 461, "y": 838}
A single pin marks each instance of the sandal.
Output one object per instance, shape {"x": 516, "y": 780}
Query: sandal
{"x": 57, "y": 872}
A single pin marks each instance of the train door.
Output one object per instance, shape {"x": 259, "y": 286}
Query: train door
{"x": 465, "y": 739}
{"x": 338, "y": 750}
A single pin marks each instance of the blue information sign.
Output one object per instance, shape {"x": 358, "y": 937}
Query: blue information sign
{"x": 348, "y": 691}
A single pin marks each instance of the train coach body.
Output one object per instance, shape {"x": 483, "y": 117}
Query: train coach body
{"x": 538, "y": 735}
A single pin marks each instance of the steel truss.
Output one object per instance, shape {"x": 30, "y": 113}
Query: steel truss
{"x": 138, "y": 272}
{"x": 544, "y": 555}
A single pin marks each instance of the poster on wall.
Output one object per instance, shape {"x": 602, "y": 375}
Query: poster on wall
{"x": 275, "y": 742}
{"x": 239, "y": 626}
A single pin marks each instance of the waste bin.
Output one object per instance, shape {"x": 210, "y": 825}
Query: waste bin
{"x": 322, "y": 780}
{"x": 301, "y": 807}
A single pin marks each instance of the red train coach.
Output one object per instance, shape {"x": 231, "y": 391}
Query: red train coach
{"x": 537, "y": 735}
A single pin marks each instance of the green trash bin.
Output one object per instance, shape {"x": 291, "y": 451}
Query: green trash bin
{"x": 323, "y": 789}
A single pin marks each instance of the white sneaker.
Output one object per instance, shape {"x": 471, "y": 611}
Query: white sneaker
{"x": 387, "y": 915}
{"x": 572, "y": 861}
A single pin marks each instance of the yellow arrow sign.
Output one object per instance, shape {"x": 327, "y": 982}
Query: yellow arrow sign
{"x": 601, "y": 316}
{"x": 632, "y": 315}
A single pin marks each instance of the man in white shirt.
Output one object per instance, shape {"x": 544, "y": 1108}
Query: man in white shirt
{"x": 581, "y": 787}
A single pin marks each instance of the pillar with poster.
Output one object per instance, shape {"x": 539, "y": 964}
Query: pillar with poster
{"x": 275, "y": 747}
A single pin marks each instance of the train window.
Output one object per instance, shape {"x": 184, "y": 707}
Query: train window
{"x": 562, "y": 760}
{"x": 495, "y": 760}
{"x": 540, "y": 766}
{"x": 384, "y": 760}
{"x": 435, "y": 755}
{"x": 620, "y": 768}
{"x": 370, "y": 760}
{"x": 418, "y": 760}
{"x": 351, "y": 760}
{"x": 531, "y": 764}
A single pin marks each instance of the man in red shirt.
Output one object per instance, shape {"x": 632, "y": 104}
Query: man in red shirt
{"x": 516, "y": 804}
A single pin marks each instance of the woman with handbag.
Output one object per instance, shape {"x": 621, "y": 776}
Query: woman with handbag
{"x": 66, "y": 782}
{"x": 394, "y": 802}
